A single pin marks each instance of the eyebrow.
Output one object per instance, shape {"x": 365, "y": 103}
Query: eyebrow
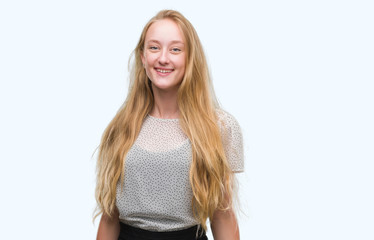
{"x": 173, "y": 42}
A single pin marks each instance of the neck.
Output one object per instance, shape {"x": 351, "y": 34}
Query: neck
{"x": 165, "y": 104}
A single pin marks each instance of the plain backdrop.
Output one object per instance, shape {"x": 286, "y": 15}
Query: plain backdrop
{"x": 297, "y": 75}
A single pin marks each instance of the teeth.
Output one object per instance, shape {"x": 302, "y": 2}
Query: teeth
{"x": 163, "y": 71}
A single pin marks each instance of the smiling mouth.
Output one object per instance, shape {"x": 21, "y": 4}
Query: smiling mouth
{"x": 164, "y": 70}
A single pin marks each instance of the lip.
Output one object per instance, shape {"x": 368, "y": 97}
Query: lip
{"x": 163, "y": 74}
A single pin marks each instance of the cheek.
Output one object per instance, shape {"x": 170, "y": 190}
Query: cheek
{"x": 180, "y": 62}
{"x": 149, "y": 59}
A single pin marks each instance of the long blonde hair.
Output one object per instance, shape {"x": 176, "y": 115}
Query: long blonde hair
{"x": 210, "y": 175}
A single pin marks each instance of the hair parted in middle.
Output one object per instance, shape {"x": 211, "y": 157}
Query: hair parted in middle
{"x": 210, "y": 175}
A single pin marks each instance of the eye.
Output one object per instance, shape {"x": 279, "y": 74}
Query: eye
{"x": 153, "y": 48}
{"x": 175, "y": 50}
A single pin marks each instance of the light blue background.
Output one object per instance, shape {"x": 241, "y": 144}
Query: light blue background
{"x": 297, "y": 75}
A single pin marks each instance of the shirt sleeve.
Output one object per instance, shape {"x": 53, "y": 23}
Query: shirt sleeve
{"x": 232, "y": 140}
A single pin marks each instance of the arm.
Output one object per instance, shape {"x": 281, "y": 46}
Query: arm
{"x": 109, "y": 228}
{"x": 224, "y": 225}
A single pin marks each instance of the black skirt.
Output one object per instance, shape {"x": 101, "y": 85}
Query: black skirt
{"x": 132, "y": 233}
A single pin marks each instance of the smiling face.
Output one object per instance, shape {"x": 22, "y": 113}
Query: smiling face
{"x": 164, "y": 55}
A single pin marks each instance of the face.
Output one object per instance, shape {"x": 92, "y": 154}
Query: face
{"x": 164, "y": 55}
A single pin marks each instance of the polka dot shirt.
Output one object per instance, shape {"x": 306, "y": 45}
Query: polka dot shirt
{"x": 156, "y": 193}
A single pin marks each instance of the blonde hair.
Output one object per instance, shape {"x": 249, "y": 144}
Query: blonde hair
{"x": 210, "y": 175}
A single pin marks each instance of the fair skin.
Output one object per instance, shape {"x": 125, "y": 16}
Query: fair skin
{"x": 109, "y": 228}
{"x": 224, "y": 225}
{"x": 164, "y": 60}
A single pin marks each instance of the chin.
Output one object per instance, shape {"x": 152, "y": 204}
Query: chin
{"x": 165, "y": 87}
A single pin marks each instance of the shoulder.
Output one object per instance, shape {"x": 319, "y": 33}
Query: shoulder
{"x": 232, "y": 139}
{"x": 225, "y": 119}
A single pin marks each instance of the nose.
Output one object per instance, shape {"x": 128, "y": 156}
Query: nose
{"x": 163, "y": 58}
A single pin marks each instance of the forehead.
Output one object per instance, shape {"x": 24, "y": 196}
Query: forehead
{"x": 165, "y": 30}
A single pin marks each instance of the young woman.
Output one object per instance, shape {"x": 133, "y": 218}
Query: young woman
{"x": 166, "y": 161}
